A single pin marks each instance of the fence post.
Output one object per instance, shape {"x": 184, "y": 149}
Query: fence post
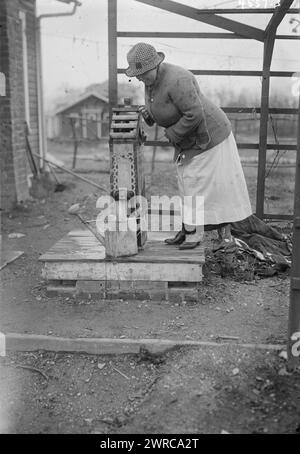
{"x": 72, "y": 120}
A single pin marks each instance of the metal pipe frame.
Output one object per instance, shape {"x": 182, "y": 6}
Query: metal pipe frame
{"x": 293, "y": 346}
{"x": 238, "y": 31}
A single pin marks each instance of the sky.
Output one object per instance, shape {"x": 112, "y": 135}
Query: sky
{"x": 75, "y": 48}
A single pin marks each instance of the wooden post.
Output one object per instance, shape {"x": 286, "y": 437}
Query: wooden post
{"x": 294, "y": 311}
{"x": 120, "y": 240}
{"x": 72, "y": 120}
{"x": 112, "y": 56}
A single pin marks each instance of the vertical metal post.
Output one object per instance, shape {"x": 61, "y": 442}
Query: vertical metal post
{"x": 112, "y": 56}
{"x": 263, "y": 130}
{"x": 294, "y": 311}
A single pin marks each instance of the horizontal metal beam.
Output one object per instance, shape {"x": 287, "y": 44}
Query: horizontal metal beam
{"x": 256, "y": 110}
{"x": 244, "y": 11}
{"x": 217, "y": 72}
{"x": 279, "y": 217}
{"x": 241, "y": 146}
{"x": 178, "y": 35}
{"x": 287, "y": 37}
{"x": 270, "y": 146}
{"x": 211, "y": 19}
{"x": 193, "y": 35}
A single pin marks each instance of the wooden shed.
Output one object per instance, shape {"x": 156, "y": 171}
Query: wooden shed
{"x": 87, "y": 115}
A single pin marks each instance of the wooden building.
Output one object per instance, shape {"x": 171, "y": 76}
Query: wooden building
{"x": 87, "y": 115}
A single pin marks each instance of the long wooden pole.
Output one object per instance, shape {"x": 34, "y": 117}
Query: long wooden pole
{"x": 71, "y": 173}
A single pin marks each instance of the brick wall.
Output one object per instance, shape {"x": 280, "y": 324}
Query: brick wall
{"x": 8, "y": 188}
{"x": 13, "y": 159}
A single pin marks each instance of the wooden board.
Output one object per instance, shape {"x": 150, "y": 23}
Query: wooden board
{"x": 79, "y": 256}
{"x": 81, "y": 246}
{"x": 122, "y": 271}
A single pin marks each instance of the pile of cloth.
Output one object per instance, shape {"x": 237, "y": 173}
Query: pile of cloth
{"x": 256, "y": 249}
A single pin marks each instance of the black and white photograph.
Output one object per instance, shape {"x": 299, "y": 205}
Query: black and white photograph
{"x": 150, "y": 220}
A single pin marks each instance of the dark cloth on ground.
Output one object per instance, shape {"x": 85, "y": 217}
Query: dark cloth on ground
{"x": 257, "y": 249}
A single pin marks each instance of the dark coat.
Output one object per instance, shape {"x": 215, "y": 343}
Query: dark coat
{"x": 193, "y": 123}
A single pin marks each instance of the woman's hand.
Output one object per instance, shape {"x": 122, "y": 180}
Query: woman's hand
{"x": 146, "y": 115}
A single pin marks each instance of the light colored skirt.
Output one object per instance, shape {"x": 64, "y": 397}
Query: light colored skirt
{"x": 218, "y": 177}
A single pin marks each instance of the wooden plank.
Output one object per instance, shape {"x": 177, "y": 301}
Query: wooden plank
{"x": 129, "y": 116}
{"x": 122, "y": 271}
{"x": 122, "y": 125}
{"x": 106, "y": 346}
{"x": 123, "y": 135}
{"x": 125, "y": 108}
{"x": 211, "y": 19}
{"x": 84, "y": 249}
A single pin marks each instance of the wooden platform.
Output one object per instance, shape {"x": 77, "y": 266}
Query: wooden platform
{"x": 77, "y": 264}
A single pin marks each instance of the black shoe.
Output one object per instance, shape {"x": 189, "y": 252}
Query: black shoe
{"x": 187, "y": 245}
{"x": 178, "y": 239}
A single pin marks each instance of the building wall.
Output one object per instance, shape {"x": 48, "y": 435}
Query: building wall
{"x": 88, "y": 113}
{"x": 8, "y": 188}
{"x": 14, "y": 163}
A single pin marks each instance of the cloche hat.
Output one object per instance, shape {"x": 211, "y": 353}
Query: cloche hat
{"x": 141, "y": 58}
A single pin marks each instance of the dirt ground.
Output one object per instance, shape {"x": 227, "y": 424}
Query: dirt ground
{"x": 194, "y": 390}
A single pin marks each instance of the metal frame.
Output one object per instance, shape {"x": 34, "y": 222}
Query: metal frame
{"x": 294, "y": 311}
{"x": 238, "y": 31}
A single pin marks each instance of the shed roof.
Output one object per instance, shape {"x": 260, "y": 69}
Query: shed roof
{"x": 81, "y": 98}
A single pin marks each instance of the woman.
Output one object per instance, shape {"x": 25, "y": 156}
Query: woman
{"x": 206, "y": 154}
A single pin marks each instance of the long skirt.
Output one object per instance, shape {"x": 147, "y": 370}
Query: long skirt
{"x": 216, "y": 178}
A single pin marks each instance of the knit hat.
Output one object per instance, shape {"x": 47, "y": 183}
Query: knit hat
{"x": 142, "y": 58}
